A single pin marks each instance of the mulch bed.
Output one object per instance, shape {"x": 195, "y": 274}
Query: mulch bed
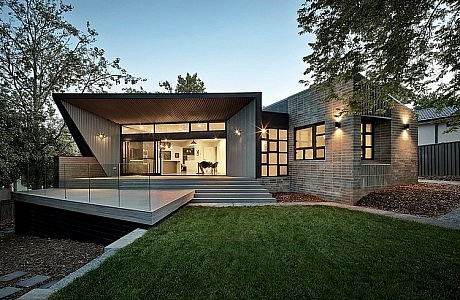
{"x": 422, "y": 199}
{"x": 43, "y": 256}
{"x": 296, "y": 197}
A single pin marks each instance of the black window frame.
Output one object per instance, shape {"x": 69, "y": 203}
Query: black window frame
{"x": 313, "y": 146}
{"x": 364, "y": 134}
{"x": 278, "y": 153}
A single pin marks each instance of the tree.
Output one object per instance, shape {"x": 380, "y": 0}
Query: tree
{"x": 41, "y": 53}
{"x": 403, "y": 47}
{"x": 189, "y": 84}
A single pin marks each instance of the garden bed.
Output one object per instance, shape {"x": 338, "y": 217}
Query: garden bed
{"x": 421, "y": 199}
{"x": 43, "y": 256}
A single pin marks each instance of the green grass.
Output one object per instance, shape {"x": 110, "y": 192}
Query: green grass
{"x": 279, "y": 253}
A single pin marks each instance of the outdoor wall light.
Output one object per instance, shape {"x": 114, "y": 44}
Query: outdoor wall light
{"x": 406, "y": 126}
{"x": 337, "y": 125}
{"x": 237, "y": 132}
{"x": 101, "y": 135}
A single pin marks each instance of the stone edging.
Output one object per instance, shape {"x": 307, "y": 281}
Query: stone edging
{"x": 407, "y": 217}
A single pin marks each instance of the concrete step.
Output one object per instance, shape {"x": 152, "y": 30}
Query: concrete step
{"x": 232, "y": 195}
{"x": 230, "y": 190}
{"x": 233, "y": 200}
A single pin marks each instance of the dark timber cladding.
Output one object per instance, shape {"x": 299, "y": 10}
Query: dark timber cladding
{"x": 60, "y": 223}
{"x": 275, "y": 120}
{"x": 160, "y": 108}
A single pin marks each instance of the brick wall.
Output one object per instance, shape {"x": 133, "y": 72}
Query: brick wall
{"x": 333, "y": 178}
{"x": 342, "y": 176}
{"x": 276, "y": 184}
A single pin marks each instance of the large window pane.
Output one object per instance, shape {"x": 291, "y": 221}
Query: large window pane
{"x": 369, "y": 128}
{"x": 273, "y": 158}
{"x": 283, "y": 158}
{"x": 283, "y": 170}
{"x": 167, "y": 128}
{"x": 264, "y": 158}
{"x": 320, "y": 153}
{"x": 199, "y": 126}
{"x": 368, "y": 153}
{"x": 309, "y": 154}
{"x": 273, "y": 170}
{"x": 320, "y": 129}
{"x": 283, "y": 135}
{"x": 299, "y": 154}
{"x": 273, "y": 134}
{"x": 136, "y": 129}
{"x": 273, "y": 146}
{"x": 264, "y": 171}
{"x": 320, "y": 141}
{"x": 264, "y": 146}
{"x": 304, "y": 138}
{"x": 217, "y": 126}
{"x": 368, "y": 140}
{"x": 283, "y": 146}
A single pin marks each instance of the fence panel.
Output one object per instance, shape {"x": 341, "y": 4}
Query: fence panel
{"x": 439, "y": 160}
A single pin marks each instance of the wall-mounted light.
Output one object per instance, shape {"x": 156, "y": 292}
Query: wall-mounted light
{"x": 337, "y": 125}
{"x": 406, "y": 126}
{"x": 238, "y": 132}
{"x": 101, "y": 135}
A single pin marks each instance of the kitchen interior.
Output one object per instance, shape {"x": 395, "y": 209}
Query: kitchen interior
{"x": 178, "y": 157}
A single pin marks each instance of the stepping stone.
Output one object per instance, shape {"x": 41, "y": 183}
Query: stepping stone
{"x": 49, "y": 284}
{"x": 32, "y": 281}
{"x": 12, "y": 276}
{"x": 8, "y": 291}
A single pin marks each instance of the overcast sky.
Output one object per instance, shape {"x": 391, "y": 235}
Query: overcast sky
{"x": 233, "y": 45}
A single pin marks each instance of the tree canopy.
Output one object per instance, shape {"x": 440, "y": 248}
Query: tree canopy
{"x": 41, "y": 53}
{"x": 410, "y": 49}
{"x": 189, "y": 84}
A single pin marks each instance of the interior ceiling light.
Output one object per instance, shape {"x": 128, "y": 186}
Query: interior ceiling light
{"x": 193, "y": 142}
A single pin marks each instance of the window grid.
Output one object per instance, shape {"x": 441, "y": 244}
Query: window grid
{"x": 367, "y": 140}
{"x": 178, "y": 127}
{"x": 274, "y": 161}
{"x": 310, "y": 142}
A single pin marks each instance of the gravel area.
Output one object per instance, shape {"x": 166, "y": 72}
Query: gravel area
{"x": 422, "y": 199}
{"x": 43, "y": 256}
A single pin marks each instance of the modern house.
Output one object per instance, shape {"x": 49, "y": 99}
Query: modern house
{"x": 439, "y": 148}
{"x": 297, "y": 144}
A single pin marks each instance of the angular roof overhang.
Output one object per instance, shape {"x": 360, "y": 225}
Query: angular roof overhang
{"x": 160, "y": 107}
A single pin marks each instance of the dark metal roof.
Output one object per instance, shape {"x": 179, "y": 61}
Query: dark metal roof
{"x": 428, "y": 114}
{"x": 160, "y": 108}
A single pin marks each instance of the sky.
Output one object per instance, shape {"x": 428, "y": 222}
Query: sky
{"x": 233, "y": 45}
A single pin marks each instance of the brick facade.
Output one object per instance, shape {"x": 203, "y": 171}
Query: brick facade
{"x": 342, "y": 176}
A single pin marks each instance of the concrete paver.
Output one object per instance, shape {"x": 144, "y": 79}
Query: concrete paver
{"x": 8, "y": 291}
{"x": 12, "y": 276}
{"x": 32, "y": 281}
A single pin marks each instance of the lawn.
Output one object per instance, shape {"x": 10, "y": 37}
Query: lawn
{"x": 279, "y": 253}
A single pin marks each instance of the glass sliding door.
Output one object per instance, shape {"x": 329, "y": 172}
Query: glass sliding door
{"x": 139, "y": 157}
